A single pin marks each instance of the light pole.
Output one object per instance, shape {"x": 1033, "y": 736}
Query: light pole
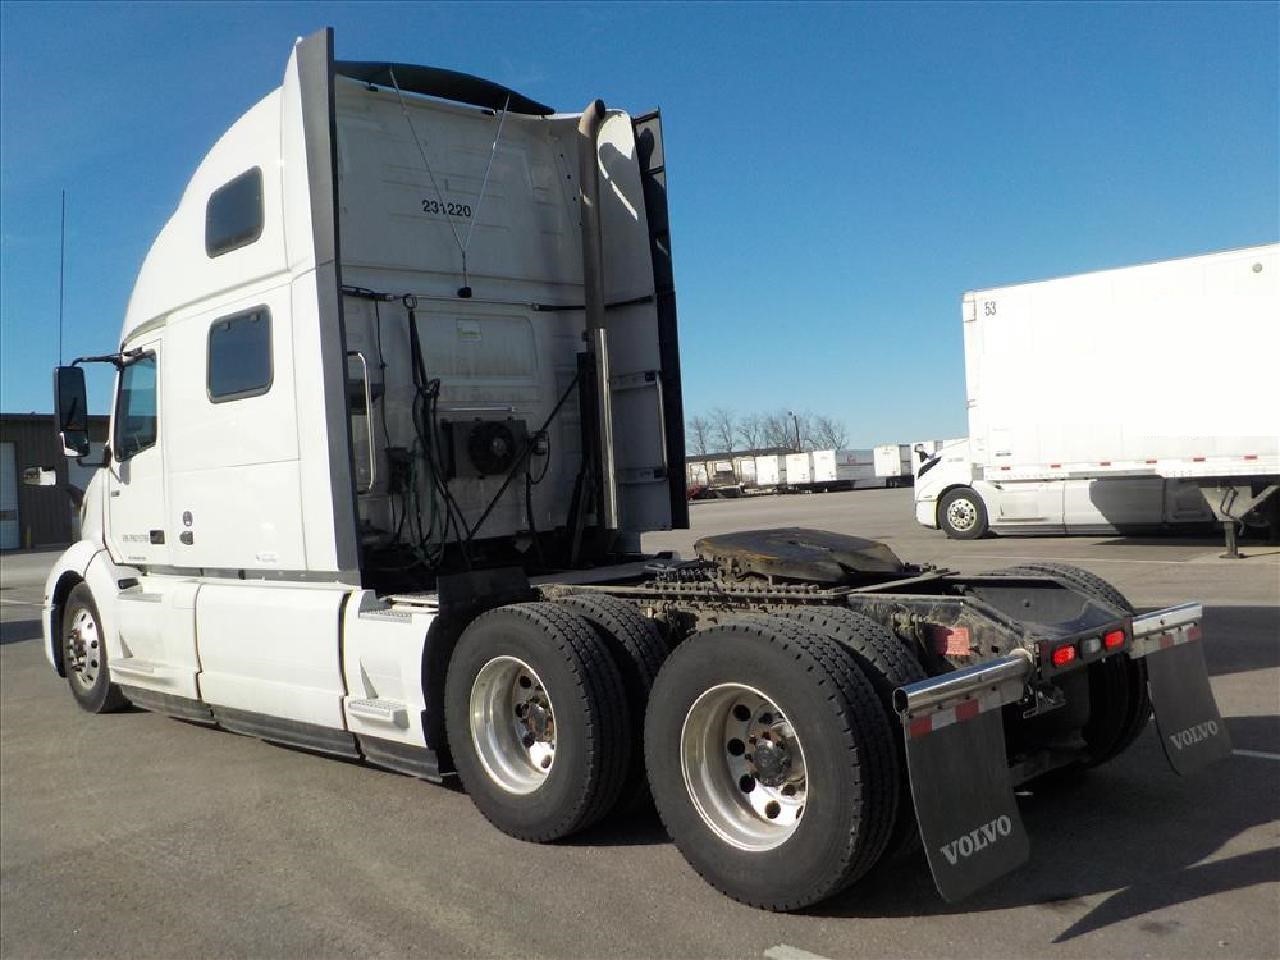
{"x": 796, "y": 421}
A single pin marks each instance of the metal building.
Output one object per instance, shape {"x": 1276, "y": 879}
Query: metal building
{"x": 34, "y": 516}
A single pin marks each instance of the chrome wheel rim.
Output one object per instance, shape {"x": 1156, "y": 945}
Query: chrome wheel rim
{"x": 962, "y": 514}
{"x": 743, "y": 766}
{"x": 513, "y": 725}
{"x": 83, "y": 648}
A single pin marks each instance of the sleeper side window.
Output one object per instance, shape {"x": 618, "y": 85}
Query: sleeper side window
{"x": 233, "y": 217}
{"x": 136, "y": 408}
{"x": 240, "y": 356}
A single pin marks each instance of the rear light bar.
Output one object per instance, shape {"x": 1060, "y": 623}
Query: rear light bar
{"x": 1061, "y": 655}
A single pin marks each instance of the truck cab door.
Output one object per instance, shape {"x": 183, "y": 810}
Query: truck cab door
{"x": 135, "y": 514}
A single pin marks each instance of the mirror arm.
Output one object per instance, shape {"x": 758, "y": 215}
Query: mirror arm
{"x": 117, "y": 360}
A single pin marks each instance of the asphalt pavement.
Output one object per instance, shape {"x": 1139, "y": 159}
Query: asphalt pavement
{"x": 133, "y": 835}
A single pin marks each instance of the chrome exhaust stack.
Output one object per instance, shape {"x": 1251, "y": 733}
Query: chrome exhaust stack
{"x": 593, "y": 298}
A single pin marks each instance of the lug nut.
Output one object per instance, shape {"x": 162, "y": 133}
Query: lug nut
{"x": 746, "y": 783}
{"x": 742, "y": 712}
{"x": 736, "y": 747}
{"x": 772, "y": 809}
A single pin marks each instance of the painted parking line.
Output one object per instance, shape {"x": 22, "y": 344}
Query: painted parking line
{"x": 20, "y": 603}
{"x": 784, "y": 952}
{"x": 1256, "y": 753}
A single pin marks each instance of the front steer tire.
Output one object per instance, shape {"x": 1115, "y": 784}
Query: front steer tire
{"x": 548, "y": 660}
{"x": 851, "y": 780}
{"x": 84, "y": 654}
{"x": 962, "y": 515}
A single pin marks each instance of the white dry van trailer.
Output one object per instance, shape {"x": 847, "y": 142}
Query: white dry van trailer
{"x": 397, "y": 393}
{"x": 797, "y": 471}
{"x": 824, "y": 475}
{"x": 744, "y": 468}
{"x": 770, "y": 470}
{"x": 1095, "y": 406}
{"x": 893, "y": 463}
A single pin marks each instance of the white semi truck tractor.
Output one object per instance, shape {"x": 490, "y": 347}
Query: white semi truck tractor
{"x": 398, "y": 391}
{"x": 1092, "y": 408}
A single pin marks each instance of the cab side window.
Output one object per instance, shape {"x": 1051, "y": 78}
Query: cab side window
{"x": 240, "y": 356}
{"x": 136, "y": 408}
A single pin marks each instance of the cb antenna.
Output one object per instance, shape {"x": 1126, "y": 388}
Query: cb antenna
{"x": 62, "y": 262}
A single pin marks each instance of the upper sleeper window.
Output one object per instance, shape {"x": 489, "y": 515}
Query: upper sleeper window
{"x": 240, "y": 356}
{"x": 233, "y": 216}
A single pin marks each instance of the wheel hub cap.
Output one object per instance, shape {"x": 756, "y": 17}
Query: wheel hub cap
{"x": 83, "y": 648}
{"x": 744, "y": 767}
{"x": 513, "y": 724}
{"x": 962, "y": 514}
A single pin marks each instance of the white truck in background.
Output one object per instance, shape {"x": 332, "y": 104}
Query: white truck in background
{"x": 1096, "y": 404}
{"x": 376, "y": 490}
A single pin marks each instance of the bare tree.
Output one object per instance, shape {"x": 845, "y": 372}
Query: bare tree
{"x": 751, "y": 431}
{"x": 698, "y": 432}
{"x": 775, "y": 430}
{"x": 829, "y": 433}
{"x": 724, "y": 428}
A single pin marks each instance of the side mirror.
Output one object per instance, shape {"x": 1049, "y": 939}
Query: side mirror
{"x": 71, "y": 410}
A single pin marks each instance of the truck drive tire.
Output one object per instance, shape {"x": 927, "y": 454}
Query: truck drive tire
{"x": 962, "y": 515}
{"x": 638, "y": 649}
{"x": 888, "y": 664}
{"x": 537, "y": 721}
{"x": 84, "y": 654}
{"x": 771, "y": 762}
{"x": 1119, "y": 702}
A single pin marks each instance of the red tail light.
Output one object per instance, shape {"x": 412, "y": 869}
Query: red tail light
{"x": 1113, "y": 639}
{"x": 1063, "y": 655}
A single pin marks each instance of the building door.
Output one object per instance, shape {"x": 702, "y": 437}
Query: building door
{"x": 10, "y": 537}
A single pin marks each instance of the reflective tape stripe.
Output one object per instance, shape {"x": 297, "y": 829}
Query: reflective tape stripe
{"x": 961, "y": 711}
{"x": 1153, "y": 642}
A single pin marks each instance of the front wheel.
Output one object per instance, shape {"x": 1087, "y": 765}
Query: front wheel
{"x": 771, "y": 763}
{"x": 84, "y": 654}
{"x": 962, "y": 515}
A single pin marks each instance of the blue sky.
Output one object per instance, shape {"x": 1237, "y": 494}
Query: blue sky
{"x": 839, "y": 174}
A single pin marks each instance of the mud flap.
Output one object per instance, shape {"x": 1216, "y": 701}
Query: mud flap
{"x": 964, "y": 802}
{"x": 1192, "y": 731}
